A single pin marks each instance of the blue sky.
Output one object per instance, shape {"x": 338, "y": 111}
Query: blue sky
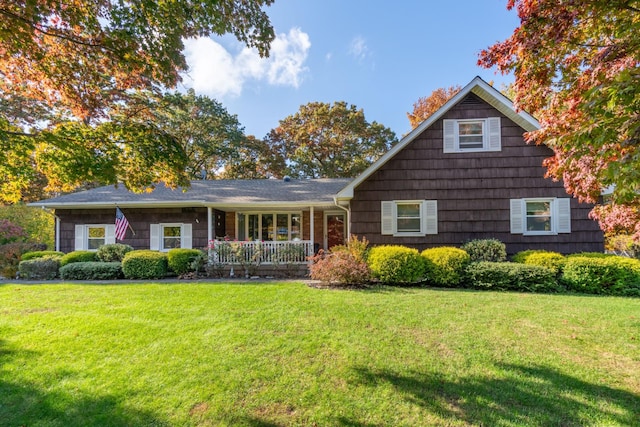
{"x": 379, "y": 56}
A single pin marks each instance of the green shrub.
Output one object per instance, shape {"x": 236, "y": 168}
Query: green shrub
{"x": 91, "y": 271}
{"x": 39, "y": 268}
{"x": 180, "y": 259}
{"x": 591, "y": 255}
{"x": 113, "y": 252}
{"x": 40, "y": 254}
{"x": 339, "y": 268}
{"x": 396, "y": 264}
{"x": 445, "y": 265}
{"x": 144, "y": 264}
{"x": 552, "y": 260}
{"x": 77, "y": 256}
{"x": 492, "y": 250}
{"x": 610, "y": 275}
{"x": 510, "y": 276}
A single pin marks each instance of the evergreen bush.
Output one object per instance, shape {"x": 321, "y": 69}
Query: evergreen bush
{"x": 180, "y": 260}
{"x": 144, "y": 264}
{"x": 39, "y": 268}
{"x": 492, "y": 250}
{"x": 112, "y": 252}
{"x": 40, "y": 254}
{"x": 445, "y": 265}
{"x": 609, "y": 275}
{"x": 510, "y": 276}
{"x": 93, "y": 270}
{"x": 394, "y": 264}
{"x": 77, "y": 256}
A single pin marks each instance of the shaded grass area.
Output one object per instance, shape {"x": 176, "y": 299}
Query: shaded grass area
{"x": 286, "y": 354}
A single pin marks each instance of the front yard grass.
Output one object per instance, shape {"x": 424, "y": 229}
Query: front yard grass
{"x": 283, "y": 354}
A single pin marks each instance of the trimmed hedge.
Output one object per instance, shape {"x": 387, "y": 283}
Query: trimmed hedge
{"x": 112, "y": 252}
{"x": 492, "y": 250}
{"x": 510, "y": 276}
{"x": 40, "y": 254}
{"x": 609, "y": 275}
{"x": 39, "y": 268}
{"x": 77, "y": 256}
{"x": 445, "y": 265}
{"x": 144, "y": 264}
{"x": 91, "y": 271}
{"x": 180, "y": 260}
{"x": 396, "y": 264}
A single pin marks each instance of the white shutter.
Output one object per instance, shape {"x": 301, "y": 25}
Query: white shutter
{"x": 185, "y": 236}
{"x": 81, "y": 241}
{"x": 495, "y": 141}
{"x": 154, "y": 237}
{"x": 517, "y": 216}
{"x": 430, "y": 216}
{"x": 563, "y": 211}
{"x": 109, "y": 234}
{"x": 449, "y": 136}
{"x": 388, "y": 212}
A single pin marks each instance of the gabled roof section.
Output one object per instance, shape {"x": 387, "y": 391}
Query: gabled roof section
{"x": 477, "y": 86}
{"x": 253, "y": 193}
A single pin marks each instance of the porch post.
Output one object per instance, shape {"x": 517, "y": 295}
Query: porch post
{"x": 57, "y": 233}
{"x": 209, "y": 231}
{"x": 311, "y": 229}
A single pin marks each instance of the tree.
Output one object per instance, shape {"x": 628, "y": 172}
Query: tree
{"x": 576, "y": 67}
{"x": 66, "y": 66}
{"x": 427, "y": 105}
{"x": 85, "y": 54}
{"x": 327, "y": 141}
{"x": 253, "y": 160}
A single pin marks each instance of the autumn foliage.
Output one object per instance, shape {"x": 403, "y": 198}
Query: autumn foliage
{"x": 427, "y": 105}
{"x": 576, "y": 66}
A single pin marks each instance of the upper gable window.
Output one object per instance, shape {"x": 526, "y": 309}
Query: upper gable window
{"x": 471, "y": 135}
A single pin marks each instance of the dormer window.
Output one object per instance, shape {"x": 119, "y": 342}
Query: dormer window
{"x": 471, "y": 135}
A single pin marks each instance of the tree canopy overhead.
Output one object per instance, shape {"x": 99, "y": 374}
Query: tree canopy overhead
{"x": 323, "y": 140}
{"x": 576, "y": 66}
{"x": 427, "y": 105}
{"x": 84, "y": 54}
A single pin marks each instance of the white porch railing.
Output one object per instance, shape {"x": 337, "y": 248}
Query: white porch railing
{"x": 256, "y": 253}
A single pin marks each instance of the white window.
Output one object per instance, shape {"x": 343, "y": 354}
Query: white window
{"x": 471, "y": 135}
{"x": 409, "y": 217}
{"x": 89, "y": 237}
{"x": 164, "y": 237}
{"x": 540, "y": 216}
{"x": 269, "y": 226}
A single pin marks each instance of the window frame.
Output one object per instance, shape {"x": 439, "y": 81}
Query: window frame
{"x": 428, "y": 218}
{"x": 244, "y": 235}
{"x": 82, "y": 236}
{"x": 491, "y": 135}
{"x": 559, "y": 212}
{"x": 156, "y": 235}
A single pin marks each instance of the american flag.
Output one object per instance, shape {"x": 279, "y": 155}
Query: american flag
{"x": 121, "y": 224}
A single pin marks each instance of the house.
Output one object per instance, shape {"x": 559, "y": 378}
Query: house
{"x": 465, "y": 173}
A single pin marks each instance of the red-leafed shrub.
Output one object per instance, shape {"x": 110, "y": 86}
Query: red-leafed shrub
{"x": 339, "y": 268}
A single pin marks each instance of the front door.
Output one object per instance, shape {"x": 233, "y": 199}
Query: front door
{"x": 334, "y": 225}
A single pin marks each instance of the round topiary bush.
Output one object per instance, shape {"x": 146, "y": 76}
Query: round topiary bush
{"x": 554, "y": 261}
{"x": 445, "y": 265}
{"x": 77, "y": 256}
{"x": 492, "y": 250}
{"x": 112, "y": 252}
{"x": 181, "y": 259}
{"x": 144, "y": 264}
{"x": 393, "y": 264}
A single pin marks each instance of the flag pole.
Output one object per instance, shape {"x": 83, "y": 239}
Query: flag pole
{"x": 128, "y": 223}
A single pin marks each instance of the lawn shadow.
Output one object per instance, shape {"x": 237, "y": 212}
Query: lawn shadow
{"x": 23, "y": 404}
{"x": 521, "y": 395}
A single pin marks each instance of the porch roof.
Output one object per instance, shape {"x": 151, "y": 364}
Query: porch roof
{"x": 216, "y": 193}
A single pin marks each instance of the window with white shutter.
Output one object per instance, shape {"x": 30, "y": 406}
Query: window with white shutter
{"x": 89, "y": 237}
{"x": 404, "y": 218}
{"x": 164, "y": 237}
{"x": 471, "y": 135}
{"x": 540, "y": 216}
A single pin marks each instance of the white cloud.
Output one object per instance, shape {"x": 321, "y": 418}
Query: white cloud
{"x": 358, "y": 48}
{"x": 216, "y": 72}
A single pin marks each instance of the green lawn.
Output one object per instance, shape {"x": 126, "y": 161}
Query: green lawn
{"x": 286, "y": 354}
